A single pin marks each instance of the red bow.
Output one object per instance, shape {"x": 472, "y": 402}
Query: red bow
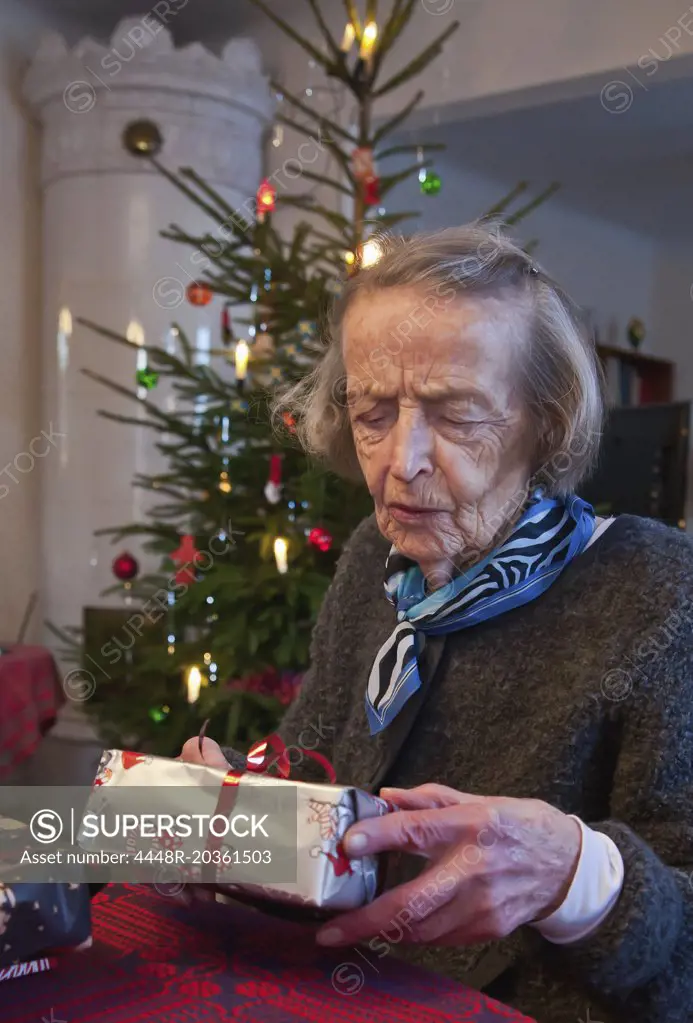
{"x": 259, "y": 759}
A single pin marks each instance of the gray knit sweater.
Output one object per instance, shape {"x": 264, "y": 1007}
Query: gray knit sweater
{"x": 582, "y": 698}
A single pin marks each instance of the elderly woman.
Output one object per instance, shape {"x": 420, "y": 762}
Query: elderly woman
{"x": 522, "y": 688}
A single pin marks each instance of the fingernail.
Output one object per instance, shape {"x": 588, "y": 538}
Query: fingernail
{"x": 356, "y": 843}
{"x": 330, "y": 936}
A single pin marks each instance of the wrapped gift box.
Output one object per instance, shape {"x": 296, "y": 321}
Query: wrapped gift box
{"x": 303, "y": 862}
{"x": 35, "y": 918}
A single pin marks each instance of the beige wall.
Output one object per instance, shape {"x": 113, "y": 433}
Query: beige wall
{"x": 19, "y": 347}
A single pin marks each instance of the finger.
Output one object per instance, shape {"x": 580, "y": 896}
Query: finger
{"x": 421, "y": 832}
{"x": 399, "y": 910}
{"x": 211, "y": 755}
{"x": 429, "y": 795}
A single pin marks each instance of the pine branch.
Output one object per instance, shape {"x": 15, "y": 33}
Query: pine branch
{"x": 193, "y": 196}
{"x": 229, "y": 211}
{"x": 430, "y": 147}
{"x": 293, "y": 34}
{"x": 398, "y": 118}
{"x": 419, "y": 63}
{"x": 131, "y": 396}
{"x": 314, "y": 115}
{"x": 504, "y": 202}
{"x": 138, "y": 528}
{"x": 399, "y": 17}
{"x": 112, "y": 335}
{"x": 520, "y": 214}
{"x": 129, "y": 420}
{"x": 339, "y": 154}
{"x": 323, "y": 179}
{"x": 390, "y": 180}
{"x": 392, "y": 219}
{"x": 340, "y": 64}
{"x": 339, "y": 221}
{"x": 353, "y": 17}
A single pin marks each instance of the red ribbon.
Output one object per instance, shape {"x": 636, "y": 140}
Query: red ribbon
{"x": 259, "y": 759}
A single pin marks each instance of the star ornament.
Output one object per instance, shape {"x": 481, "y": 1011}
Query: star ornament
{"x": 186, "y": 556}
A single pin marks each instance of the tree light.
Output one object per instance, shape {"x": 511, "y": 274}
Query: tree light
{"x": 193, "y": 681}
{"x": 241, "y": 356}
{"x": 371, "y": 252}
{"x": 348, "y": 37}
{"x": 368, "y": 40}
{"x": 281, "y": 547}
{"x": 266, "y": 199}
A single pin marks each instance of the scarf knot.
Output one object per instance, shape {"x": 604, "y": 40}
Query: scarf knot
{"x": 545, "y": 539}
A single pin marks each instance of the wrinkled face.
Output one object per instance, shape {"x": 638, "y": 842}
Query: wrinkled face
{"x": 440, "y": 430}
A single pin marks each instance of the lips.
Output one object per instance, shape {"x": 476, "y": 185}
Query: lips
{"x": 413, "y": 508}
{"x": 411, "y": 513}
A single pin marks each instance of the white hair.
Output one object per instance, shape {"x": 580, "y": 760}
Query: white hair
{"x": 561, "y": 377}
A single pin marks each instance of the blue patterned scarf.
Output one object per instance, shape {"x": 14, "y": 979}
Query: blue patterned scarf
{"x": 545, "y": 539}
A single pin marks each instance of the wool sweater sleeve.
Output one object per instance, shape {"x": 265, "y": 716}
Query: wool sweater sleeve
{"x": 638, "y": 959}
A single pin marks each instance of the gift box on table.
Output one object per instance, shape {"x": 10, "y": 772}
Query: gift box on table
{"x": 292, "y": 852}
{"x": 37, "y": 920}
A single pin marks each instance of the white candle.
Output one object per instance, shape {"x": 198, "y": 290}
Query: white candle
{"x": 281, "y": 548}
{"x": 193, "y": 682}
{"x": 348, "y": 37}
{"x": 242, "y": 354}
{"x": 368, "y": 39}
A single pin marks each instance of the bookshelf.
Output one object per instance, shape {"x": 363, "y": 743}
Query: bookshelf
{"x": 633, "y": 378}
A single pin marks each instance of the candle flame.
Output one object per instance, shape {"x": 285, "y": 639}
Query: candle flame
{"x": 368, "y": 40}
{"x": 281, "y": 547}
{"x": 242, "y": 354}
{"x": 193, "y": 682}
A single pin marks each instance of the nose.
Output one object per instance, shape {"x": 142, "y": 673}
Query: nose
{"x": 412, "y": 446}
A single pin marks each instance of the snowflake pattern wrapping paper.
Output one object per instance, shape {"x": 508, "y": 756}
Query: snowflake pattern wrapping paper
{"x": 36, "y": 918}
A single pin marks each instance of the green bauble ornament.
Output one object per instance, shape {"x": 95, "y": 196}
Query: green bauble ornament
{"x": 147, "y": 378}
{"x": 430, "y": 182}
{"x": 159, "y": 714}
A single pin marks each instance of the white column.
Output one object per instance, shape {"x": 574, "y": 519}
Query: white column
{"x": 103, "y": 259}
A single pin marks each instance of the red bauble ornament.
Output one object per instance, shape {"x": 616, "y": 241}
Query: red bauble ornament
{"x": 198, "y": 293}
{"x": 185, "y": 557}
{"x": 320, "y": 538}
{"x": 125, "y": 567}
{"x": 371, "y": 191}
{"x": 289, "y": 422}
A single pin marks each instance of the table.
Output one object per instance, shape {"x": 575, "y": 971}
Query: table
{"x": 155, "y": 960}
{"x": 30, "y": 696}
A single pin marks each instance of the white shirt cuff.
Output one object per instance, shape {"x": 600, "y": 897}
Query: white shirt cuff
{"x": 595, "y": 888}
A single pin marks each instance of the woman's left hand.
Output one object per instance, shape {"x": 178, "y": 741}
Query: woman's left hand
{"x": 495, "y": 863}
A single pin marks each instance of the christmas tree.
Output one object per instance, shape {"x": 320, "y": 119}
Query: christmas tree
{"x": 246, "y": 529}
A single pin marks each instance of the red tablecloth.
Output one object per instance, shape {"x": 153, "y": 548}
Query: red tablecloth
{"x": 30, "y": 695}
{"x": 157, "y": 961}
